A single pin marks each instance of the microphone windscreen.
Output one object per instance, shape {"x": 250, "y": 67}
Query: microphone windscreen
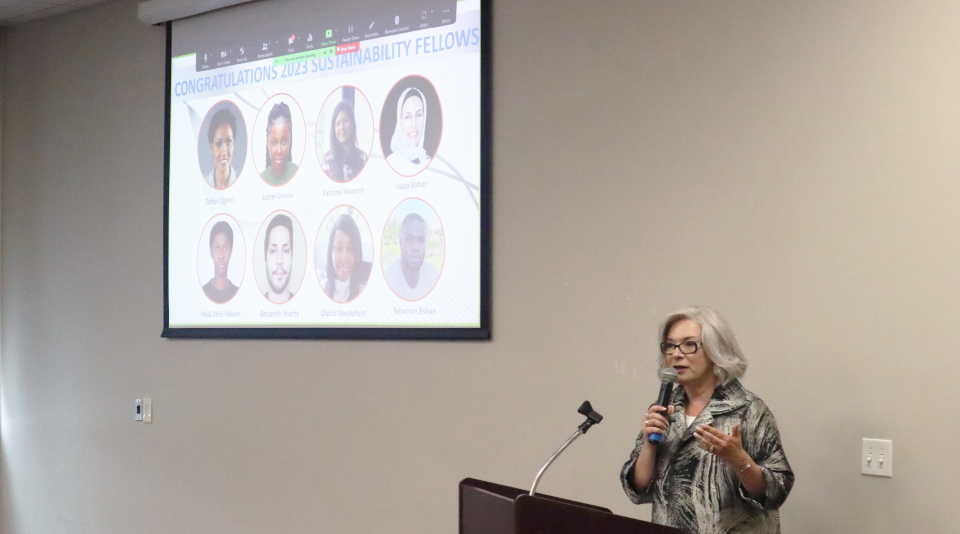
{"x": 669, "y": 374}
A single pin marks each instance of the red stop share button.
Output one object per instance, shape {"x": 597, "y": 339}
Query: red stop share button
{"x": 347, "y": 48}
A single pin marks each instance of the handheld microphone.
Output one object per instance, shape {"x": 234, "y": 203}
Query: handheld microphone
{"x": 668, "y": 377}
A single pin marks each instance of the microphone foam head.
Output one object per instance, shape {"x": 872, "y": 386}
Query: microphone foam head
{"x": 669, "y": 374}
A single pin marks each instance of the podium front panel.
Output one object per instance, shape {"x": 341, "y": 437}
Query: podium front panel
{"x": 488, "y": 508}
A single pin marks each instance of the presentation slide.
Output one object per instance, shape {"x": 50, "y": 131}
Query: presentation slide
{"x": 325, "y": 166}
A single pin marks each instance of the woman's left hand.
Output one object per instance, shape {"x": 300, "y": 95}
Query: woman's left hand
{"x": 727, "y": 447}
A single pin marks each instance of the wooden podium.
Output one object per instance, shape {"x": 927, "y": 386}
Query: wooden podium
{"x": 488, "y": 508}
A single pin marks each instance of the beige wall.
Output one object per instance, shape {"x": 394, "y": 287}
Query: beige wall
{"x": 794, "y": 164}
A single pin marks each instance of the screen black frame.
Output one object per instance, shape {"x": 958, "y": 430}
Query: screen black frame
{"x": 359, "y": 333}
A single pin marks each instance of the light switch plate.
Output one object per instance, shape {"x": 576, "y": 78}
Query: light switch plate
{"x": 877, "y": 457}
{"x": 138, "y": 410}
{"x": 147, "y": 410}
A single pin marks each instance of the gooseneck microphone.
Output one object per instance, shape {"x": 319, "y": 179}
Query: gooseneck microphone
{"x": 592, "y": 419}
{"x": 668, "y": 377}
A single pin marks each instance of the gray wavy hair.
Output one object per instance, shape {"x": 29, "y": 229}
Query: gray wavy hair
{"x": 719, "y": 343}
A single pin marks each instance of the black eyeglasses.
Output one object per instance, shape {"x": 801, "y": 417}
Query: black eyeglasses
{"x": 687, "y": 347}
{"x": 220, "y": 142}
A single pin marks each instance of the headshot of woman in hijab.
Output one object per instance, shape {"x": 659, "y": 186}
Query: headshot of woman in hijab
{"x": 407, "y": 155}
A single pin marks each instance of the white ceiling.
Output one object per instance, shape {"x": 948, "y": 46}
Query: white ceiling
{"x": 19, "y": 11}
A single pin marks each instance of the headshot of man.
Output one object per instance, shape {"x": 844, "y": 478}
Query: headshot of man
{"x": 220, "y": 289}
{"x": 410, "y": 277}
{"x": 280, "y": 167}
{"x": 344, "y": 274}
{"x": 278, "y": 252}
{"x": 221, "y": 134}
{"x": 345, "y": 159}
{"x": 407, "y": 155}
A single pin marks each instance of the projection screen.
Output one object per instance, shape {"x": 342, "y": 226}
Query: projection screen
{"x": 328, "y": 171}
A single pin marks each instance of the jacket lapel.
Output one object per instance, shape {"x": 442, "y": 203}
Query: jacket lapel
{"x": 725, "y": 399}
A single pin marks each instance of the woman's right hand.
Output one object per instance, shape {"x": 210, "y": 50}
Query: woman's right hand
{"x": 655, "y": 422}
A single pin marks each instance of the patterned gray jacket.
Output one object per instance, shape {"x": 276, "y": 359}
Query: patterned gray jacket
{"x": 699, "y": 493}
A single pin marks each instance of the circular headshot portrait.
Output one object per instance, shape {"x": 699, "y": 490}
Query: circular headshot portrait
{"x": 280, "y": 257}
{"x": 344, "y": 133}
{"x": 343, "y": 254}
{"x": 222, "y": 145}
{"x": 412, "y": 249}
{"x": 411, "y": 125}
{"x": 220, "y": 258}
{"x": 277, "y": 139}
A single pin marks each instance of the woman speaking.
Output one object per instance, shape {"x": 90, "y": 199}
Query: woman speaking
{"x": 719, "y": 466}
